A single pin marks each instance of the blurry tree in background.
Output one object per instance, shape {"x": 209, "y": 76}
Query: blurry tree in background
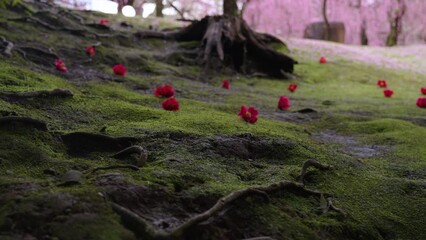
{"x": 395, "y": 16}
{"x": 366, "y": 22}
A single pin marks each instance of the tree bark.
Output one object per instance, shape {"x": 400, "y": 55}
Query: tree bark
{"x": 327, "y": 24}
{"x": 395, "y": 21}
{"x": 159, "y": 8}
{"x": 230, "y": 8}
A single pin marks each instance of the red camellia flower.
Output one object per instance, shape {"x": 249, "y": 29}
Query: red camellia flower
{"x": 91, "y": 51}
{"x": 170, "y": 104}
{"x": 60, "y": 65}
{"x": 388, "y": 93}
{"x": 292, "y": 87}
{"x": 323, "y": 60}
{"x": 103, "y": 21}
{"x": 225, "y": 84}
{"x": 421, "y": 102}
{"x": 423, "y": 90}
{"x": 382, "y": 83}
{"x": 164, "y": 91}
{"x": 248, "y": 114}
{"x": 284, "y": 103}
{"x": 119, "y": 69}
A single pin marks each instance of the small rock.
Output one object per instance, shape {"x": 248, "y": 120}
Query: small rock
{"x": 72, "y": 177}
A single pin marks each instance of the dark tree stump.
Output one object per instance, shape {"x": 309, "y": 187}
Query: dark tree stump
{"x": 232, "y": 41}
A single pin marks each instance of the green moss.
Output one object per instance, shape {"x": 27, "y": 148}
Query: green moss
{"x": 382, "y": 194}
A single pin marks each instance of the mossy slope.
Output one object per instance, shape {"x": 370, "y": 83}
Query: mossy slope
{"x": 204, "y": 151}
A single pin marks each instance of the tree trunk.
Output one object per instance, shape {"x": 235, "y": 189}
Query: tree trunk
{"x": 159, "y": 8}
{"x": 230, "y": 8}
{"x": 120, "y": 6}
{"x": 138, "y": 5}
{"x": 327, "y": 24}
{"x": 395, "y": 21}
{"x": 234, "y": 43}
{"x": 364, "y": 37}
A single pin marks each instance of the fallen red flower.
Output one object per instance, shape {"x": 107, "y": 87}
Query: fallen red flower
{"x": 60, "y": 65}
{"x": 284, "y": 103}
{"x": 225, "y": 84}
{"x": 248, "y": 114}
{"x": 170, "y": 104}
{"x": 119, "y": 69}
{"x": 382, "y": 83}
{"x": 388, "y": 93}
{"x": 292, "y": 87}
{"x": 421, "y": 102}
{"x": 164, "y": 91}
{"x": 91, "y": 51}
{"x": 423, "y": 90}
{"x": 323, "y": 60}
{"x": 103, "y": 21}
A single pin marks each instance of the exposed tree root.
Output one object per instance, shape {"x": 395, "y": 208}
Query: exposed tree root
{"x": 5, "y": 46}
{"x": 125, "y": 166}
{"x": 234, "y": 43}
{"x": 309, "y": 163}
{"x": 146, "y": 230}
{"x": 82, "y": 143}
{"x": 13, "y": 121}
{"x": 331, "y": 207}
{"x": 37, "y": 55}
{"x": 327, "y": 205}
{"x": 58, "y": 93}
{"x": 77, "y": 32}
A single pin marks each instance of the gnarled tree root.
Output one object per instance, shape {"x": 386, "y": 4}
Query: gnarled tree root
{"x": 234, "y": 43}
{"x": 147, "y": 231}
{"x": 311, "y": 163}
{"x": 59, "y": 93}
{"x": 13, "y": 121}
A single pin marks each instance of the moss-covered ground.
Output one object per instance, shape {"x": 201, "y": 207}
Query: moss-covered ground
{"x": 204, "y": 151}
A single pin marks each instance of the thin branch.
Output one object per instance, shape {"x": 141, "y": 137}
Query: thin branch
{"x": 176, "y": 9}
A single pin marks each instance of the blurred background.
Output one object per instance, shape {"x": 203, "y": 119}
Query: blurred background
{"x": 356, "y": 22}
